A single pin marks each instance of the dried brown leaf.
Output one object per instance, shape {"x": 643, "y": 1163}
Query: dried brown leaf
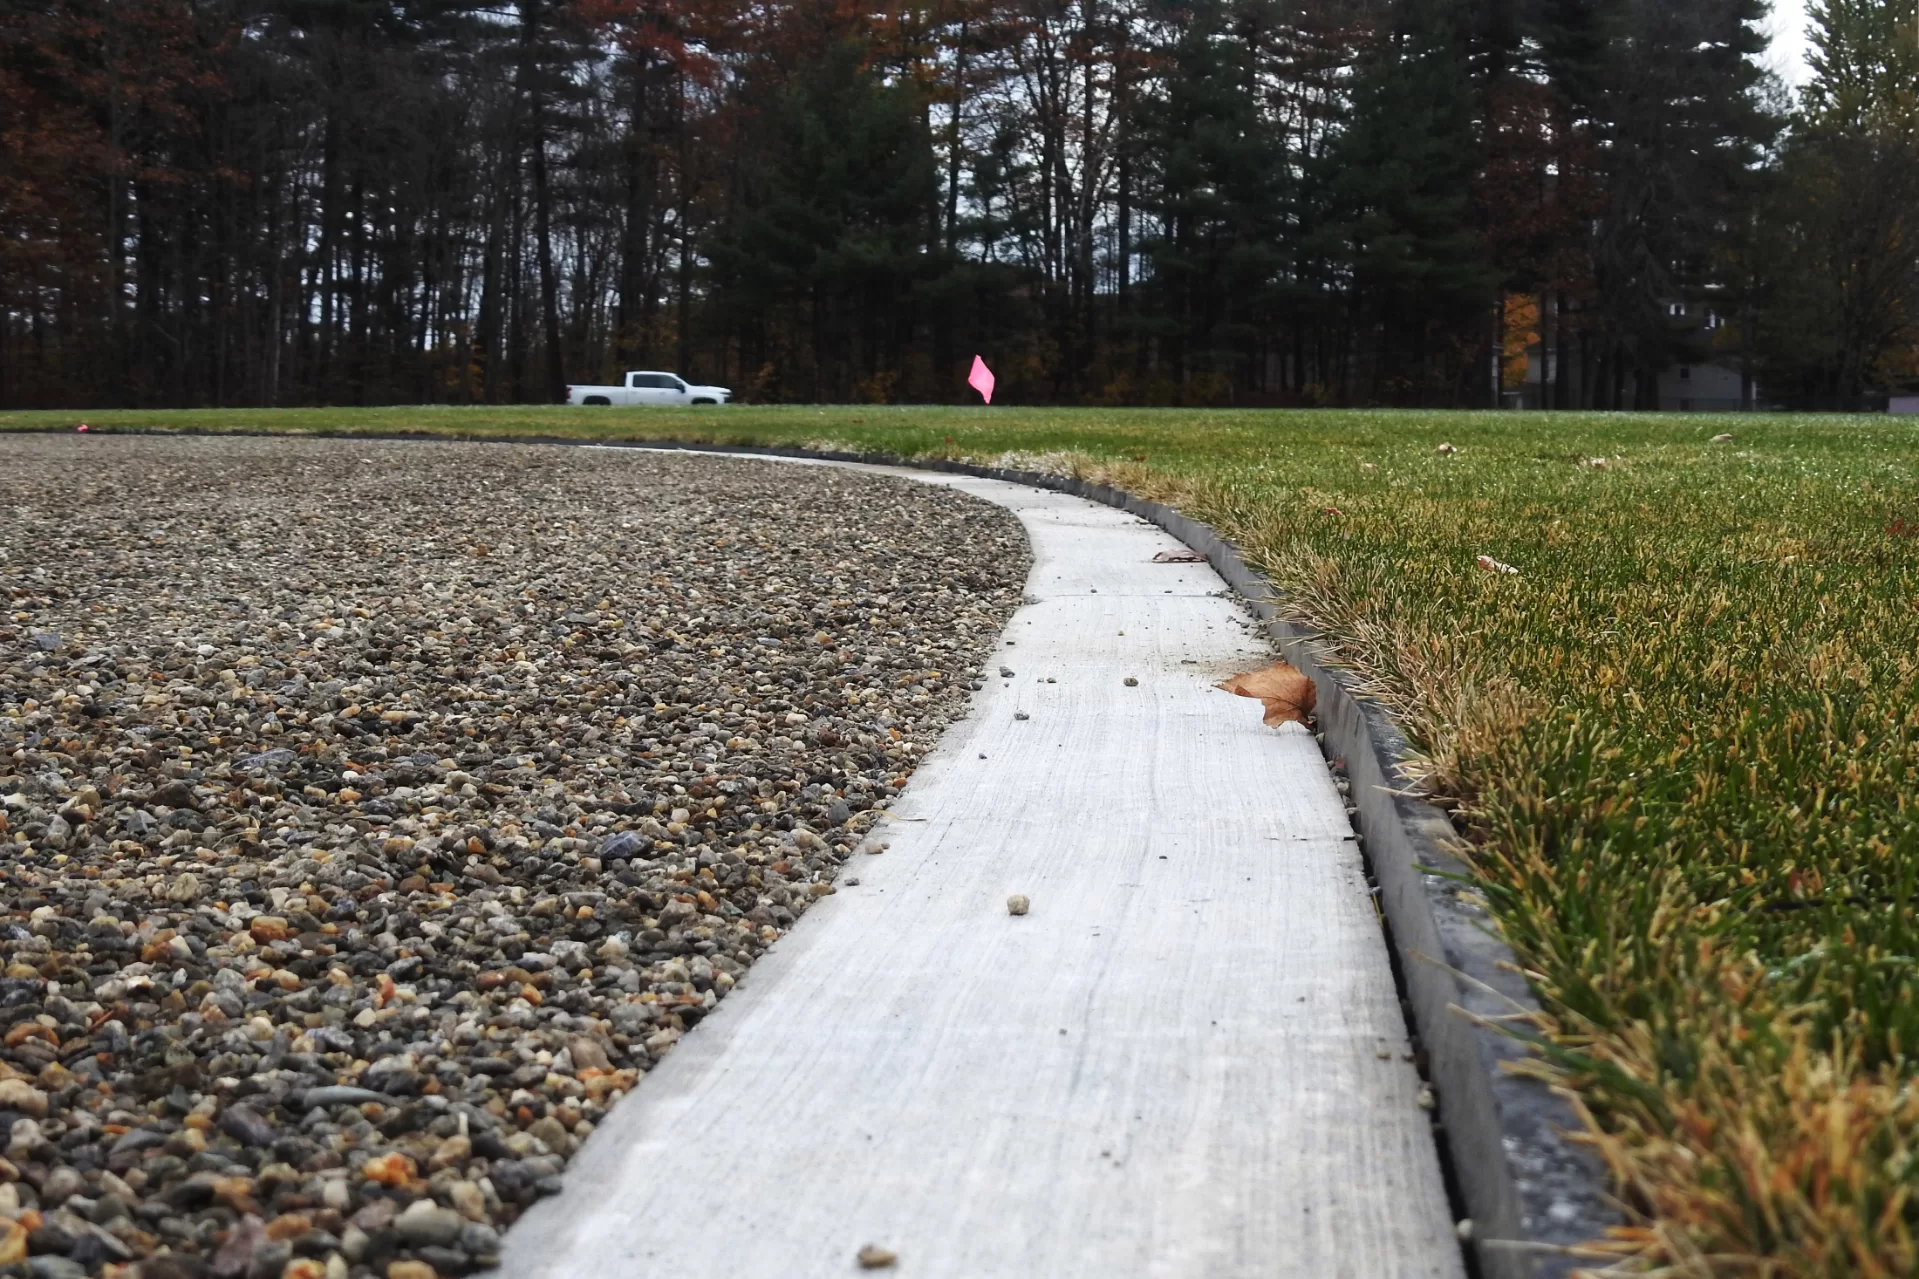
{"x": 1178, "y": 557}
{"x": 1285, "y": 691}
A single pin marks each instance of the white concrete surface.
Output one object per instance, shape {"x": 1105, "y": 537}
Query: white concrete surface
{"x": 1187, "y": 1061}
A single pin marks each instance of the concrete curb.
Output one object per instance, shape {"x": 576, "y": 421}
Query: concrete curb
{"x": 1533, "y": 1195}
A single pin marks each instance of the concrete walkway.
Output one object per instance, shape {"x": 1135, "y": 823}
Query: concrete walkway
{"x": 1188, "y": 1059}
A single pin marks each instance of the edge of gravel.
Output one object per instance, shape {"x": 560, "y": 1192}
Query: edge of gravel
{"x": 1533, "y": 1194}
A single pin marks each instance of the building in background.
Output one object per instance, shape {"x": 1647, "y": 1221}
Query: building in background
{"x": 1706, "y": 376}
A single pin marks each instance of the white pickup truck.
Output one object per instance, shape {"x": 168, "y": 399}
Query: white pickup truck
{"x": 644, "y": 389}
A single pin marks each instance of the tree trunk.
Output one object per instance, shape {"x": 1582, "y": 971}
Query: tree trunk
{"x": 683, "y": 321}
{"x": 1548, "y": 351}
{"x": 1562, "y": 356}
{"x": 630, "y": 343}
{"x": 530, "y": 85}
{"x": 324, "y": 341}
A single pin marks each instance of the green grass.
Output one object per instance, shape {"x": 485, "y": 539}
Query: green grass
{"x": 1684, "y": 739}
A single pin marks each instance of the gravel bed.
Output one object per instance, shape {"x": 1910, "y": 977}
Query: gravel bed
{"x": 375, "y": 815}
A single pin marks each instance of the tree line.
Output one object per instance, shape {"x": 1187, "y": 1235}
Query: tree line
{"x": 293, "y": 202}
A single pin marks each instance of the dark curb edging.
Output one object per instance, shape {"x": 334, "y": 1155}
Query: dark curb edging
{"x": 1533, "y": 1195}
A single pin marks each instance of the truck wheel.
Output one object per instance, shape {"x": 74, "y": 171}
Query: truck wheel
{"x": 597, "y": 399}
{"x": 706, "y": 401}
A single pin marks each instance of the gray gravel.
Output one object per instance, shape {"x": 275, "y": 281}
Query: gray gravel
{"x": 377, "y": 814}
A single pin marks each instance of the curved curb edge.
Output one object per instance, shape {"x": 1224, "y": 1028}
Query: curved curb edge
{"x": 1534, "y": 1195}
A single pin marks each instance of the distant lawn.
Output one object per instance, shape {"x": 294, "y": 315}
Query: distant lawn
{"x": 1684, "y": 735}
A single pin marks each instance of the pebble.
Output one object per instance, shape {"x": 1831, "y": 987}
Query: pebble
{"x": 1017, "y": 904}
{"x": 390, "y": 1169}
{"x": 59, "y": 1185}
{"x": 235, "y": 1258}
{"x": 450, "y": 1153}
{"x": 874, "y": 1257}
{"x": 341, "y": 1095}
{"x": 467, "y": 1199}
{"x": 246, "y": 1125}
{"x": 377, "y": 815}
{"x": 18, "y": 1094}
{"x": 410, "y": 1270}
{"x": 478, "y": 1238}
{"x": 426, "y": 1222}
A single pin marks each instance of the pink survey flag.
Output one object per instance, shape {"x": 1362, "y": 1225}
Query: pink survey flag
{"x": 981, "y": 379}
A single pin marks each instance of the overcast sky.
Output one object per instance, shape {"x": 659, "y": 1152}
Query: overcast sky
{"x": 1788, "y": 27}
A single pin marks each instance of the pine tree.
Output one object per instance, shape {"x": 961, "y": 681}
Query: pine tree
{"x": 1219, "y": 193}
{"x": 1399, "y": 185}
{"x": 1865, "y": 65}
{"x": 1837, "y": 316}
{"x": 827, "y": 243}
{"x": 1666, "y": 102}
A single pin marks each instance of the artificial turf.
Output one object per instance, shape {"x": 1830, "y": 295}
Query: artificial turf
{"x": 1683, "y": 738}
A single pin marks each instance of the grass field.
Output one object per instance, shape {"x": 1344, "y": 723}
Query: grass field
{"x": 1684, "y": 737}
